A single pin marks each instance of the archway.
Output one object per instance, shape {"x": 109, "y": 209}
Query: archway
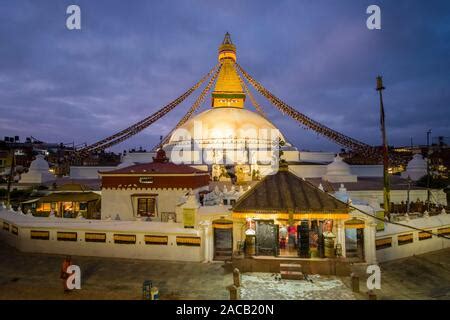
{"x": 223, "y": 239}
{"x": 354, "y": 238}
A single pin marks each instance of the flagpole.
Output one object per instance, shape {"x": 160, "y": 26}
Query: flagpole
{"x": 386, "y": 184}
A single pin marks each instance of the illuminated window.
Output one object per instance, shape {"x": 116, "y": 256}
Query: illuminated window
{"x": 44, "y": 207}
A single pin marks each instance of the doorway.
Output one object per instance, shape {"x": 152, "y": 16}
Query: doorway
{"x": 223, "y": 239}
{"x": 354, "y": 243}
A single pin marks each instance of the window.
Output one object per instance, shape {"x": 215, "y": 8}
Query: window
{"x": 44, "y": 207}
{"x": 225, "y": 202}
{"x": 146, "y": 207}
{"x": 148, "y": 180}
{"x": 232, "y": 202}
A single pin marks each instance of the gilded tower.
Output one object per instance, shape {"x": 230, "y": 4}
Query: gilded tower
{"x": 228, "y": 91}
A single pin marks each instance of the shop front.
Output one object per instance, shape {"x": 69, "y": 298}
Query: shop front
{"x": 289, "y": 217}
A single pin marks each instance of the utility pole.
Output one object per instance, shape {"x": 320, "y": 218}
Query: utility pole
{"x": 408, "y": 201}
{"x": 386, "y": 184}
{"x": 10, "y": 177}
{"x": 428, "y": 170}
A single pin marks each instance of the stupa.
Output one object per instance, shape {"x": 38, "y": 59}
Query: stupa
{"x": 38, "y": 172}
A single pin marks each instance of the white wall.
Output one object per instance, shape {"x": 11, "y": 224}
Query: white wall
{"x": 367, "y": 170}
{"x": 308, "y": 171}
{"x": 140, "y": 250}
{"x": 119, "y": 202}
{"x": 311, "y": 156}
{"x": 399, "y": 195}
{"x": 138, "y": 157}
{"x": 416, "y": 247}
{"x": 82, "y": 172}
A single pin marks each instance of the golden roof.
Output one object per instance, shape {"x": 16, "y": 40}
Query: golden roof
{"x": 228, "y": 80}
{"x": 228, "y": 85}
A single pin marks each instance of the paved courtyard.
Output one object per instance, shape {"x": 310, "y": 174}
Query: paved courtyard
{"x": 36, "y": 276}
{"x": 419, "y": 277}
{"x": 259, "y": 286}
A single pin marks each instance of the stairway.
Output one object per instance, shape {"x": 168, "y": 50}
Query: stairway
{"x": 291, "y": 271}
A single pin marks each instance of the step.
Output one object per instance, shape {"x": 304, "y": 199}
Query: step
{"x": 292, "y": 275}
{"x": 290, "y": 266}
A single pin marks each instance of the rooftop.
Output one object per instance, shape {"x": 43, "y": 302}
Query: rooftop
{"x": 284, "y": 192}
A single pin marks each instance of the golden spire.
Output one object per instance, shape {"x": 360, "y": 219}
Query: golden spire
{"x": 228, "y": 91}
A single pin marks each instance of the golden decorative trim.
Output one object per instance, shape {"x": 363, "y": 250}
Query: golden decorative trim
{"x": 66, "y": 236}
{"x": 40, "y": 235}
{"x": 296, "y": 216}
{"x": 355, "y": 226}
{"x": 425, "y": 235}
{"x": 124, "y": 238}
{"x": 223, "y": 226}
{"x": 384, "y": 241}
{"x": 95, "y": 237}
{"x": 405, "y": 237}
{"x": 149, "y": 239}
{"x": 444, "y": 231}
{"x": 189, "y": 241}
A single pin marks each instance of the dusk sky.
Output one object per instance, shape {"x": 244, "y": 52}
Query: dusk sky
{"x": 133, "y": 57}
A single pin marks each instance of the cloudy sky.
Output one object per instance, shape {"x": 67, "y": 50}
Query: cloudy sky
{"x": 133, "y": 57}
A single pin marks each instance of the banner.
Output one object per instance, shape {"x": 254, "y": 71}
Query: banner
{"x": 189, "y": 218}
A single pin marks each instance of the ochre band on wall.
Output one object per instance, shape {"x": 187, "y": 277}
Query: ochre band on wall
{"x": 161, "y": 240}
{"x": 296, "y": 216}
{"x": 189, "y": 241}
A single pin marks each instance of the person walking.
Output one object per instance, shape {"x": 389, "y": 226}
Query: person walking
{"x": 67, "y": 262}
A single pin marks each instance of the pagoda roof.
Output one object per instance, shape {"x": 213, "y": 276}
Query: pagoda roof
{"x": 285, "y": 193}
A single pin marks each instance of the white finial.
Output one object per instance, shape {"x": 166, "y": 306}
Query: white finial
{"x": 443, "y": 211}
{"x": 426, "y": 214}
{"x": 320, "y": 187}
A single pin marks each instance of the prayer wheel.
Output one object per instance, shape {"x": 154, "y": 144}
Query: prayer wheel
{"x": 250, "y": 245}
{"x": 329, "y": 245}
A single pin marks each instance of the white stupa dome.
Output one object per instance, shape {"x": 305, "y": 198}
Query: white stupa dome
{"x": 39, "y": 164}
{"x": 38, "y": 172}
{"x": 224, "y": 123}
{"x": 338, "y": 167}
{"x": 416, "y": 168}
{"x": 339, "y": 171}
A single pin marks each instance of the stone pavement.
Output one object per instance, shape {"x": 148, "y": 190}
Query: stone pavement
{"x": 267, "y": 286}
{"x": 36, "y": 276}
{"x": 425, "y": 276}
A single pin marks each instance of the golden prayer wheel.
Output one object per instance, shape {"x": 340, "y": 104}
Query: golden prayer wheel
{"x": 250, "y": 245}
{"x": 329, "y": 245}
